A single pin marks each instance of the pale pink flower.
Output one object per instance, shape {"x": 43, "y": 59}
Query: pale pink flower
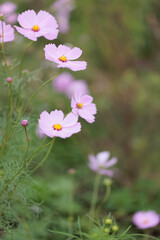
{"x": 56, "y": 125}
{"x": 146, "y": 219}
{"x": 100, "y": 163}
{"x": 12, "y": 18}
{"x": 37, "y": 25}
{"x": 77, "y": 85}
{"x": 63, "y": 56}
{"x": 8, "y": 32}
{"x": 82, "y": 106}
{"x": 62, "y": 82}
{"x": 62, "y": 10}
{"x": 8, "y": 8}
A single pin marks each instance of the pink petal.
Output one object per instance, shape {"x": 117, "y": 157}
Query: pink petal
{"x": 70, "y": 120}
{"x": 57, "y": 116}
{"x": 51, "y": 36}
{"x": 27, "y": 33}
{"x": 74, "y": 65}
{"x": 27, "y": 19}
{"x": 46, "y": 20}
{"x": 68, "y": 132}
{"x": 74, "y": 53}
{"x": 51, "y": 53}
{"x": 103, "y": 156}
{"x": 63, "y": 50}
{"x": 111, "y": 162}
{"x": 86, "y": 115}
{"x": 86, "y": 99}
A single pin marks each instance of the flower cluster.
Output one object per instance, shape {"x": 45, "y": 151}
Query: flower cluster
{"x": 7, "y": 10}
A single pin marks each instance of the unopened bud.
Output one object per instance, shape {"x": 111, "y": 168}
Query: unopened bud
{"x": 1, "y": 15}
{"x": 108, "y": 221}
{"x": 107, "y": 182}
{"x": 24, "y": 123}
{"x": 9, "y": 80}
{"x": 106, "y": 230}
{"x": 115, "y": 228}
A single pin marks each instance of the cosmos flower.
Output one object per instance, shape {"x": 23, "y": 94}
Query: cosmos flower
{"x": 75, "y": 85}
{"x": 56, "y": 125}
{"x": 37, "y": 25}
{"x": 63, "y": 56}
{"x": 62, "y": 9}
{"x": 82, "y": 106}
{"x": 100, "y": 163}
{"x": 8, "y": 10}
{"x": 65, "y": 83}
{"x": 62, "y": 82}
{"x": 146, "y": 219}
{"x": 8, "y": 32}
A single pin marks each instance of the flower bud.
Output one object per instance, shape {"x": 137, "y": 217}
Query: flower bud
{"x": 115, "y": 228}
{"x": 24, "y": 123}
{"x": 8, "y": 79}
{"x": 108, "y": 221}
{"x": 107, "y": 182}
{"x": 1, "y": 15}
{"x": 106, "y": 230}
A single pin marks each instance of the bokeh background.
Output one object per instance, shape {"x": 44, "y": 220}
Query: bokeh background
{"x": 121, "y": 43}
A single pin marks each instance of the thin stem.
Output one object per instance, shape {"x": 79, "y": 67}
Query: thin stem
{"x": 28, "y": 143}
{"x": 28, "y": 160}
{"x": 11, "y": 104}
{"x": 45, "y": 157}
{"x": 95, "y": 195}
{"x": 105, "y": 199}
{"x": 21, "y": 66}
{"x": 30, "y": 100}
{"x": 71, "y": 199}
{"x": 3, "y": 52}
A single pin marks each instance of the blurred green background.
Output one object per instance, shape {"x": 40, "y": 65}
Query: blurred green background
{"x": 121, "y": 43}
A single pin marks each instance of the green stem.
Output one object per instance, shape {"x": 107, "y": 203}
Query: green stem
{"x": 105, "y": 199}
{"x": 71, "y": 200}
{"x": 3, "y": 52}
{"x": 11, "y": 132}
{"x": 45, "y": 157}
{"x": 11, "y": 105}
{"x": 28, "y": 143}
{"x": 28, "y": 160}
{"x": 95, "y": 195}
{"x": 21, "y": 66}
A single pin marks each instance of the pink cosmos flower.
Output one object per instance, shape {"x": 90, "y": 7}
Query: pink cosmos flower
{"x": 56, "y": 125}
{"x": 62, "y": 10}
{"x": 8, "y": 8}
{"x": 63, "y": 56}
{"x": 8, "y": 32}
{"x": 146, "y": 219}
{"x": 100, "y": 163}
{"x": 12, "y": 18}
{"x": 66, "y": 84}
{"x": 82, "y": 106}
{"x": 62, "y": 82}
{"x": 80, "y": 85}
{"x": 37, "y": 25}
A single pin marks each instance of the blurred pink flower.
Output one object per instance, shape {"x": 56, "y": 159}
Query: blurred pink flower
{"x": 8, "y": 32}
{"x": 146, "y": 219}
{"x": 37, "y": 25}
{"x": 40, "y": 133}
{"x": 82, "y": 106}
{"x": 66, "y": 84}
{"x": 75, "y": 85}
{"x": 62, "y": 10}
{"x": 56, "y": 125}
{"x": 63, "y": 56}
{"x": 8, "y": 9}
{"x": 100, "y": 163}
{"x": 12, "y": 18}
{"x": 62, "y": 82}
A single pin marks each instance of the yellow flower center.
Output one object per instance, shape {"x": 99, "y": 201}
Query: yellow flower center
{"x": 35, "y": 28}
{"x": 79, "y": 105}
{"x": 0, "y": 35}
{"x": 57, "y": 127}
{"x": 63, "y": 59}
{"x": 145, "y": 221}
